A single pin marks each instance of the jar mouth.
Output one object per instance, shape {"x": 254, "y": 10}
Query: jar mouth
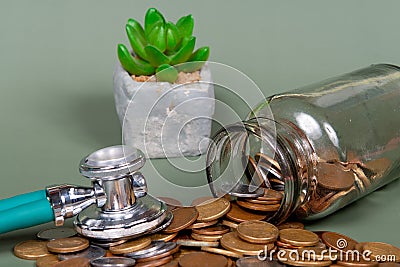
{"x": 255, "y": 145}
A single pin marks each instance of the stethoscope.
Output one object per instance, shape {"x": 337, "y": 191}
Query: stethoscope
{"x": 116, "y": 207}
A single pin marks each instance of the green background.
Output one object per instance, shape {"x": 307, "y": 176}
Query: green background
{"x": 56, "y": 97}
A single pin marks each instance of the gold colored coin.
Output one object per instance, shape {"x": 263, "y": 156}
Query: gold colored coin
{"x": 222, "y": 252}
{"x": 201, "y": 200}
{"x": 67, "y": 245}
{"x": 262, "y": 202}
{"x": 183, "y": 217}
{"x": 263, "y": 157}
{"x": 298, "y": 237}
{"x": 213, "y": 210}
{"x": 31, "y": 249}
{"x": 382, "y": 249}
{"x": 173, "y": 263}
{"x": 202, "y": 259}
{"x": 74, "y": 262}
{"x": 211, "y": 238}
{"x": 47, "y": 261}
{"x": 258, "y": 207}
{"x": 237, "y": 214}
{"x": 291, "y": 225}
{"x": 131, "y": 246}
{"x": 198, "y": 225}
{"x": 155, "y": 263}
{"x": 231, "y": 241}
{"x": 259, "y": 232}
{"x": 163, "y": 237}
{"x": 358, "y": 263}
{"x": 389, "y": 264}
{"x": 338, "y": 241}
{"x": 315, "y": 253}
{"x": 284, "y": 245}
{"x": 308, "y": 263}
{"x": 229, "y": 224}
{"x": 212, "y": 230}
{"x": 196, "y": 243}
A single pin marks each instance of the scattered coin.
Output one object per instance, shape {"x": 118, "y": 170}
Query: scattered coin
{"x": 257, "y": 232}
{"x": 31, "y": 249}
{"x": 358, "y": 263}
{"x": 154, "y": 246}
{"x": 92, "y": 252}
{"x": 213, "y": 210}
{"x": 298, "y": 237}
{"x": 293, "y": 225}
{"x": 212, "y": 230}
{"x": 198, "y": 225}
{"x": 113, "y": 262}
{"x": 338, "y": 241}
{"x": 231, "y": 241}
{"x": 183, "y": 217}
{"x": 167, "y": 250}
{"x": 308, "y": 263}
{"x": 222, "y": 252}
{"x": 254, "y": 262}
{"x": 56, "y": 233}
{"x": 47, "y": 261}
{"x": 238, "y": 214}
{"x": 67, "y": 245}
{"x": 164, "y": 224}
{"x": 171, "y": 201}
{"x": 155, "y": 263}
{"x": 75, "y": 262}
{"x": 202, "y": 259}
{"x": 229, "y": 224}
{"x": 131, "y": 246}
{"x": 211, "y": 238}
{"x": 258, "y": 207}
{"x": 382, "y": 249}
{"x": 242, "y": 190}
{"x": 201, "y": 200}
{"x": 163, "y": 237}
{"x": 196, "y": 243}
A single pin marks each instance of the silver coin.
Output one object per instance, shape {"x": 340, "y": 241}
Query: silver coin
{"x": 112, "y": 262}
{"x": 243, "y": 190}
{"x": 106, "y": 244}
{"x": 167, "y": 247}
{"x": 56, "y": 233}
{"x": 254, "y": 262}
{"x": 91, "y": 253}
{"x": 155, "y": 245}
{"x": 164, "y": 224}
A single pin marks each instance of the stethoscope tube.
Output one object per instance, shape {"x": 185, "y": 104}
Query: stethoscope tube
{"x": 24, "y": 211}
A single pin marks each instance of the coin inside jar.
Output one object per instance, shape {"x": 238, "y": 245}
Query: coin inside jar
{"x": 67, "y": 245}
{"x": 298, "y": 237}
{"x": 257, "y": 232}
{"x": 31, "y": 249}
{"x": 130, "y": 246}
{"x": 213, "y": 210}
{"x": 201, "y": 259}
{"x": 333, "y": 176}
{"x": 183, "y": 217}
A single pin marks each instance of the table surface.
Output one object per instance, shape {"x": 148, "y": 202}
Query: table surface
{"x": 56, "y": 97}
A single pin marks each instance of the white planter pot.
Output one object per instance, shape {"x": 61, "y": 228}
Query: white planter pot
{"x": 163, "y": 119}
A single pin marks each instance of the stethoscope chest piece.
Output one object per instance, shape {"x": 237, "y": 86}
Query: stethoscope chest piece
{"x": 126, "y": 210}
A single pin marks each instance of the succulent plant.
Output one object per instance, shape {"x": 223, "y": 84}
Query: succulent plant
{"x": 161, "y": 47}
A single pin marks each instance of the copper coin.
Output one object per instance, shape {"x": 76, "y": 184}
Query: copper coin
{"x": 130, "y": 246}
{"x": 75, "y": 262}
{"x": 358, "y": 263}
{"x": 47, "y": 261}
{"x": 31, "y": 249}
{"x": 266, "y": 158}
{"x": 171, "y": 201}
{"x": 231, "y": 241}
{"x": 258, "y": 207}
{"x": 257, "y": 232}
{"x": 211, "y": 238}
{"x": 262, "y": 202}
{"x": 238, "y": 214}
{"x": 196, "y": 243}
{"x": 333, "y": 176}
{"x": 379, "y": 249}
{"x": 155, "y": 263}
{"x": 308, "y": 263}
{"x": 201, "y": 200}
{"x": 389, "y": 264}
{"x": 229, "y": 224}
{"x": 298, "y": 237}
{"x": 67, "y": 245}
{"x": 198, "y": 225}
{"x": 213, "y": 210}
{"x": 222, "y": 252}
{"x": 286, "y": 245}
{"x": 212, "y": 230}
{"x": 202, "y": 259}
{"x": 315, "y": 253}
{"x": 173, "y": 263}
{"x": 159, "y": 256}
{"x": 254, "y": 262}
{"x": 338, "y": 241}
{"x": 257, "y": 176}
{"x": 291, "y": 225}
{"x": 163, "y": 237}
{"x": 183, "y": 217}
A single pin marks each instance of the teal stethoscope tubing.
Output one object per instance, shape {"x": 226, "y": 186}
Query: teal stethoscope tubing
{"x": 25, "y": 210}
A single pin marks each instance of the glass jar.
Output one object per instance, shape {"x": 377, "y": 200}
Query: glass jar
{"x": 324, "y": 145}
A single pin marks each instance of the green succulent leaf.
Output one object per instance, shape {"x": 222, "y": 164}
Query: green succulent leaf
{"x": 135, "y": 41}
{"x": 173, "y": 36}
{"x": 184, "y": 53}
{"x": 157, "y": 37}
{"x": 131, "y": 64}
{"x": 152, "y": 17}
{"x": 138, "y": 30}
{"x": 196, "y": 60}
{"x": 185, "y": 25}
{"x": 155, "y": 56}
{"x": 166, "y": 73}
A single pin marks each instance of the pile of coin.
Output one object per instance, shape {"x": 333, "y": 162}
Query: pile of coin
{"x": 215, "y": 233}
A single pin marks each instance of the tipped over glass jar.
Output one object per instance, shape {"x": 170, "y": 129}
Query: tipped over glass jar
{"x": 323, "y": 146}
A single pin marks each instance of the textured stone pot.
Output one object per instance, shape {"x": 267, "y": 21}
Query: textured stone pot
{"x": 163, "y": 119}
